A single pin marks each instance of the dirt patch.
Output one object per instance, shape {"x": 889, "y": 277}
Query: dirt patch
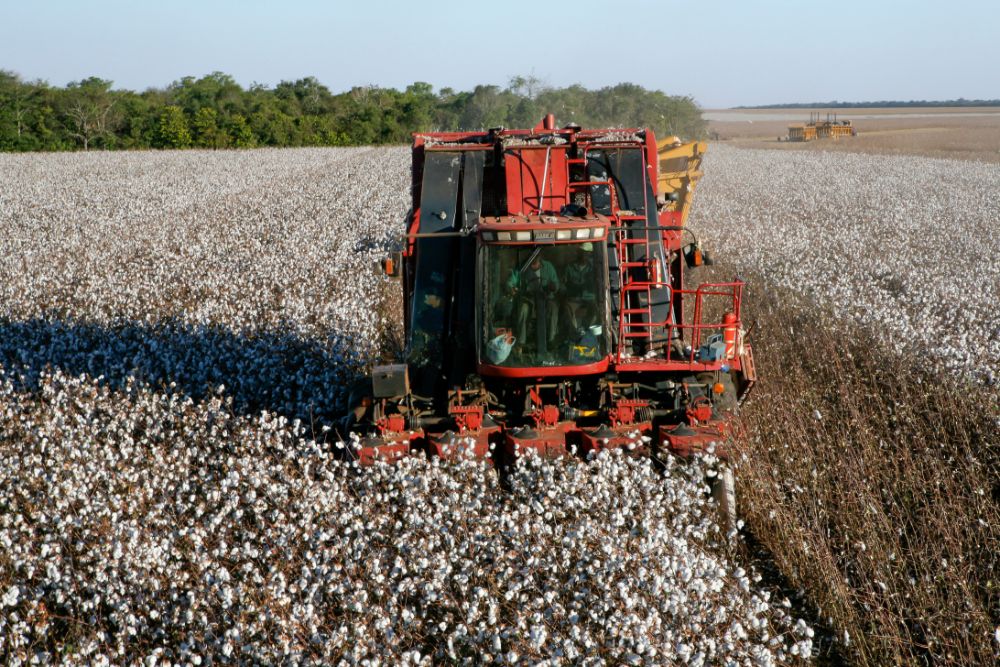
{"x": 972, "y": 134}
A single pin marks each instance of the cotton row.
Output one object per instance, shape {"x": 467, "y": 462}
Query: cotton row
{"x": 908, "y": 246}
{"x": 138, "y": 525}
{"x": 248, "y": 269}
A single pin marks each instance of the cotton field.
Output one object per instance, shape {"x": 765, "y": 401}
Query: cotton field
{"x": 908, "y": 246}
{"x": 148, "y": 526}
{"x": 248, "y": 269}
{"x": 176, "y": 330}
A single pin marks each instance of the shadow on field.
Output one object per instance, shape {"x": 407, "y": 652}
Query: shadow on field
{"x": 276, "y": 370}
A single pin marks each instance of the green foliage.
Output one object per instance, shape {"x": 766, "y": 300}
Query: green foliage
{"x": 139, "y": 122}
{"x": 239, "y": 130}
{"x": 214, "y": 111}
{"x": 207, "y": 133}
{"x": 173, "y": 130}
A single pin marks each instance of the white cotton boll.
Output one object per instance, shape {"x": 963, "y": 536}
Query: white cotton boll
{"x": 537, "y": 636}
{"x": 11, "y": 597}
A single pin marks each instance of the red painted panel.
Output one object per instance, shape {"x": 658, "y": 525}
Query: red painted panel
{"x": 453, "y": 446}
{"x": 628, "y": 437}
{"x": 525, "y": 171}
{"x": 672, "y": 240}
{"x": 684, "y": 440}
{"x": 548, "y": 443}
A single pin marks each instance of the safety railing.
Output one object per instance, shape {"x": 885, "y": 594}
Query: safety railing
{"x": 711, "y": 335}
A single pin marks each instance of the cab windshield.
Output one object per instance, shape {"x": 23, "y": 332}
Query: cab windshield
{"x": 544, "y": 305}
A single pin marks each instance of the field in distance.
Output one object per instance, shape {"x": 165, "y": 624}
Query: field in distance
{"x": 965, "y": 133}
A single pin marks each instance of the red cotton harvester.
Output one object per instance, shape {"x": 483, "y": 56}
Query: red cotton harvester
{"x": 546, "y": 306}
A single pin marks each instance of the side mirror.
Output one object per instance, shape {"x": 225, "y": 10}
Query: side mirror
{"x": 392, "y": 264}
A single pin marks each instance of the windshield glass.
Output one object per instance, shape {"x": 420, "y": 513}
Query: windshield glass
{"x": 544, "y": 305}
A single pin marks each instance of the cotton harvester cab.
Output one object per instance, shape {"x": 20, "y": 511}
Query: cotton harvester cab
{"x": 547, "y": 306}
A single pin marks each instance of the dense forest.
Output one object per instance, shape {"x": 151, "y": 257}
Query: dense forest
{"x": 214, "y": 111}
{"x": 884, "y": 104}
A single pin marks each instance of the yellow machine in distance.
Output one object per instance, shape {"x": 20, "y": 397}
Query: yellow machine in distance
{"x": 821, "y": 129}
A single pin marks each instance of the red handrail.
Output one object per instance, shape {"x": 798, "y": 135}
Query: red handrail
{"x": 730, "y": 290}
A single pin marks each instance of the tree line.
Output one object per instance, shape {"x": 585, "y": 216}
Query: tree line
{"x": 960, "y": 102}
{"x": 214, "y": 111}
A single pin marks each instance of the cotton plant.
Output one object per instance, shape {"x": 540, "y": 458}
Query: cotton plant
{"x": 251, "y": 269}
{"x": 907, "y": 246}
{"x": 146, "y": 525}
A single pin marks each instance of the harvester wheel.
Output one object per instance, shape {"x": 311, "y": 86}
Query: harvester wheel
{"x": 723, "y": 486}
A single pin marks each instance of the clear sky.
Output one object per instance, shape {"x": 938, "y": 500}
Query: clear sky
{"x": 722, "y": 52}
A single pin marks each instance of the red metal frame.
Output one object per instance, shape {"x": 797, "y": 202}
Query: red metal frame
{"x": 545, "y": 416}
{"x": 733, "y": 292}
{"x": 541, "y": 372}
{"x": 559, "y": 440}
{"x": 623, "y": 412}
{"x": 467, "y": 417}
{"x": 538, "y": 179}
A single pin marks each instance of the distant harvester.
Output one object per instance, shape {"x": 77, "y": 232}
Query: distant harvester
{"x": 817, "y": 129}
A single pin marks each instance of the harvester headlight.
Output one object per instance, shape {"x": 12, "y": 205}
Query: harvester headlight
{"x": 564, "y": 234}
{"x": 489, "y": 236}
{"x": 522, "y": 236}
{"x": 598, "y": 232}
{"x": 583, "y": 233}
{"x": 503, "y": 236}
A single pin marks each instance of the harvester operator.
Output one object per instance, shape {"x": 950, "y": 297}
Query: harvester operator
{"x": 536, "y": 285}
{"x": 580, "y": 297}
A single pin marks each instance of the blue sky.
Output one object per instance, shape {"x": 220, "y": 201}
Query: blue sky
{"x": 722, "y": 52}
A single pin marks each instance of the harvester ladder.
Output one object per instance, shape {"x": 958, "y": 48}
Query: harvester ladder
{"x": 635, "y": 315}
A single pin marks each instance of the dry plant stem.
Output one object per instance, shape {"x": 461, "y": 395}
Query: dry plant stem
{"x": 874, "y": 483}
